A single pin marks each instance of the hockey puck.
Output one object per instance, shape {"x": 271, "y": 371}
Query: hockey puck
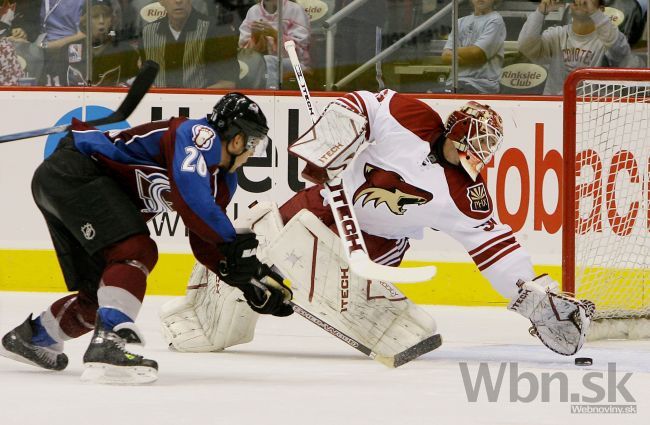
{"x": 584, "y": 361}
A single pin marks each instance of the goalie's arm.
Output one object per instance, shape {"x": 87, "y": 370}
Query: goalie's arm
{"x": 560, "y": 321}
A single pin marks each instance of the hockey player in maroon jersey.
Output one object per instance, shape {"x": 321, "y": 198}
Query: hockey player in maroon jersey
{"x": 404, "y": 170}
{"x": 96, "y": 192}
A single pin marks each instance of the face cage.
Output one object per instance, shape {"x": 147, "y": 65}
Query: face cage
{"x": 485, "y": 140}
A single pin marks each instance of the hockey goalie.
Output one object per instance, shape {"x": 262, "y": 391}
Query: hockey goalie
{"x": 404, "y": 171}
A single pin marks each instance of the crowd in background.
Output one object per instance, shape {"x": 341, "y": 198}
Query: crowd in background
{"x": 516, "y": 46}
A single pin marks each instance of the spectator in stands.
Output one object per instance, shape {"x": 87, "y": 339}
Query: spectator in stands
{"x": 60, "y": 21}
{"x": 114, "y": 63}
{"x": 191, "y": 50}
{"x": 590, "y": 40}
{"x": 259, "y": 32}
{"x": 480, "y": 49}
{"x": 26, "y": 24}
{"x": 10, "y": 69}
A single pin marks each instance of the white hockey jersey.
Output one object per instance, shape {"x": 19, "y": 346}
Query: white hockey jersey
{"x": 398, "y": 191}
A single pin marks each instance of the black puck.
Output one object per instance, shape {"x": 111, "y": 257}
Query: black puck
{"x": 584, "y": 361}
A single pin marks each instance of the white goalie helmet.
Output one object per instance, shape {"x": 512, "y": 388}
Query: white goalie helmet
{"x": 477, "y": 133}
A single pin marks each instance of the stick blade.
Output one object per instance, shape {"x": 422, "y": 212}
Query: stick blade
{"x": 422, "y": 347}
{"x": 141, "y": 85}
{"x": 363, "y": 266}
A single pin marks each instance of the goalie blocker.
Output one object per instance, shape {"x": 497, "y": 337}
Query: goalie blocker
{"x": 373, "y": 314}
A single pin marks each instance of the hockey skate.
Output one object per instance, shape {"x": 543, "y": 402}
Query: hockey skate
{"x": 17, "y": 345}
{"x": 106, "y": 360}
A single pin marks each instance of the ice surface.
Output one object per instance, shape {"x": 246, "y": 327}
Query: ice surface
{"x": 294, "y": 373}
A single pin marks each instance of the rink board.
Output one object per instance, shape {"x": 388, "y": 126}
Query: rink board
{"x": 523, "y": 180}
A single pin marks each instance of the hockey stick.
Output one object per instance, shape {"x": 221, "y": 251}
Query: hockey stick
{"x": 429, "y": 344}
{"x": 422, "y": 347}
{"x": 139, "y": 88}
{"x": 344, "y": 216}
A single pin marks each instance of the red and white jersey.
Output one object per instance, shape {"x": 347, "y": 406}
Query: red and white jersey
{"x": 398, "y": 191}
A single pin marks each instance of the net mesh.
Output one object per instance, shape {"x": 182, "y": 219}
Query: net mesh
{"x": 612, "y": 220}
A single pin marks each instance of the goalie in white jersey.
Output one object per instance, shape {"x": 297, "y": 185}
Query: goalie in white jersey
{"x": 414, "y": 172}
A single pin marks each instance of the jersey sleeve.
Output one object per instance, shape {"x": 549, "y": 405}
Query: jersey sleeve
{"x": 534, "y": 44}
{"x": 497, "y": 254}
{"x": 364, "y": 103}
{"x": 192, "y": 150}
{"x": 205, "y": 253}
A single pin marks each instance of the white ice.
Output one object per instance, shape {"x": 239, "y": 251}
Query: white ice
{"x": 294, "y": 373}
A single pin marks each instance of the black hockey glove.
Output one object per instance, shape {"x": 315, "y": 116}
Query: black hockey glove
{"x": 240, "y": 263}
{"x": 267, "y": 294}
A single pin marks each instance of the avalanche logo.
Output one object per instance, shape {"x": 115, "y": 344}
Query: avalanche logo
{"x": 152, "y": 189}
{"x": 388, "y": 187}
{"x": 478, "y": 199}
{"x": 203, "y": 137}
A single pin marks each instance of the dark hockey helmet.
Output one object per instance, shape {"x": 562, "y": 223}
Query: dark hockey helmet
{"x": 236, "y": 113}
{"x": 477, "y": 133}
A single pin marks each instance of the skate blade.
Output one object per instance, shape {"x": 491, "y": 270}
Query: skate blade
{"x": 17, "y": 357}
{"x": 102, "y": 373}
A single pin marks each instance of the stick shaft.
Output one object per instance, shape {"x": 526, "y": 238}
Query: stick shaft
{"x": 139, "y": 88}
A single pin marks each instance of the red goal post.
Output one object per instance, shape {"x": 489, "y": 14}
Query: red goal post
{"x": 606, "y": 190}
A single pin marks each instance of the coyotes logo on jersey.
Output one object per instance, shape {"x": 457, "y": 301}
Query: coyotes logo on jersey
{"x": 388, "y": 187}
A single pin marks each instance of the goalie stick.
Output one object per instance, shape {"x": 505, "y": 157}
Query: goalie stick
{"x": 413, "y": 352}
{"x": 429, "y": 344}
{"x": 139, "y": 88}
{"x": 343, "y": 212}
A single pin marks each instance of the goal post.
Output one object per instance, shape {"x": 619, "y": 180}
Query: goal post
{"x": 606, "y": 197}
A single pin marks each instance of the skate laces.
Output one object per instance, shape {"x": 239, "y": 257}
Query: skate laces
{"x": 120, "y": 343}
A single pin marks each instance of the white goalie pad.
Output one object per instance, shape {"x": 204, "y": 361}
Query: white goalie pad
{"x": 211, "y": 316}
{"x": 374, "y": 312}
{"x": 333, "y": 140}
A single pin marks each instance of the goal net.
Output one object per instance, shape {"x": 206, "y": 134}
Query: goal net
{"x": 606, "y": 228}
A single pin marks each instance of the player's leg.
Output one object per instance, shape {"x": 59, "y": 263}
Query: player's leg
{"x": 40, "y": 341}
{"x": 382, "y": 251}
{"x": 117, "y": 255}
{"x": 119, "y": 297}
{"x": 311, "y": 199}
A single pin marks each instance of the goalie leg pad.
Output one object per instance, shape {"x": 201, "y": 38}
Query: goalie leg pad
{"x": 211, "y": 317}
{"x": 310, "y": 255}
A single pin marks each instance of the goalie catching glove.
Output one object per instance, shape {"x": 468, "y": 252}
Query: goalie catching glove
{"x": 560, "y": 321}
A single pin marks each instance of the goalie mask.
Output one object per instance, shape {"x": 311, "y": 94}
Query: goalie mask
{"x": 236, "y": 113}
{"x": 477, "y": 132}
